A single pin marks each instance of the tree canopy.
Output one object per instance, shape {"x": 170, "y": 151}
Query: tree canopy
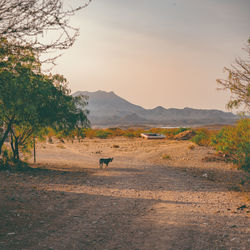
{"x": 31, "y": 100}
{"x": 238, "y": 81}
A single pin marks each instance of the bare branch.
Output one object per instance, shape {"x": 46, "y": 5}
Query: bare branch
{"x": 30, "y": 22}
{"x": 238, "y": 82}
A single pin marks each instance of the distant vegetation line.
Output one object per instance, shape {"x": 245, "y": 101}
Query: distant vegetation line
{"x": 231, "y": 141}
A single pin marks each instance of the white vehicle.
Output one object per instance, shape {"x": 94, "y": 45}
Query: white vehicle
{"x": 152, "y": 136}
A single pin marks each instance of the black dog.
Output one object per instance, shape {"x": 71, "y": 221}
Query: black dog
{"x": 105, "y": 161}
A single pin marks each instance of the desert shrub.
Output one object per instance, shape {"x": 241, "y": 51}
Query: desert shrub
{"x": 129, "y": 134}
{"x": 202, "y": 137}
{"x": 90, "y": 133}
{"x": 80, "y": 133}
{"x": 97, "y": 133}
{"x": 61, "y": 140}
{"x": 235, "y": 143}
{"x": 171, "y": 132}
{"x": 157, "y": 131}
{"x": 102, "y": 134}
{"x": 166, "y": 157}
{"x": 179, "y": 130}
{"x": 115, "y": 131}
{"x": 191, "y": 147}
{"x": 132, "y": 133}
{"x": 7, "y": 158}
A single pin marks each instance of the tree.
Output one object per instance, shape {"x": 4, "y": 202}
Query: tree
{"x": 29, "y": 21}
{"x": 238, "y": 82}
{"x": 31, "y": 100}
{"x": 234, "y": 142}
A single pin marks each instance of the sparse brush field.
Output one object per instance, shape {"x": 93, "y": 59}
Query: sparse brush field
{"x": 130, "y": 132}
{"x": 156, "y": 194}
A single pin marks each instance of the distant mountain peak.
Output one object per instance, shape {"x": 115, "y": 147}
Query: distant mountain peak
{"x": 98, "y": 92}
{"x": 159, "y": 108}
{"x": 103, "y": 92}
{"x": 107, "y": 108}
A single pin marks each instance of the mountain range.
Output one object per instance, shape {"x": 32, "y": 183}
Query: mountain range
{"x": 108, "y": 109}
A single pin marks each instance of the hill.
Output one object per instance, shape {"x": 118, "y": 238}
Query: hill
{"x": 108, "y": 109}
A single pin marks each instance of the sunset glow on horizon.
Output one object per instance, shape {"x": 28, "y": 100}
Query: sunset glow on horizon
{"x": 157, "y": 53}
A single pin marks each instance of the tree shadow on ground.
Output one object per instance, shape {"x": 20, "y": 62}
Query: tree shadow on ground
{"x": 60, "y": 220}
{"x": 153, "y": 177}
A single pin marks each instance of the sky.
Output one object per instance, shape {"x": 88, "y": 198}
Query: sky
{"x": 157, "y": 52}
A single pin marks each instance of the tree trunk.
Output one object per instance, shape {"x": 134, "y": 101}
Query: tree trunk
{"x": 34, "y": 149}
{"x": 12, "y": 145}
{"x": 17, "y": 158}
{"x": 5, "y": 136}
{"x": 15, "y": 147}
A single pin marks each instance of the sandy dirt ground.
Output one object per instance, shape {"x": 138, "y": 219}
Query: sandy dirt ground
{"x": 141, "y": 201}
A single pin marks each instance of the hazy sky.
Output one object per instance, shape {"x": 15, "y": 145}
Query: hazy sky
{"x": 157, "y": 52}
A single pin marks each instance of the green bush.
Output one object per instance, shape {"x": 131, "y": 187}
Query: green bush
{"x": 235, "y": 143}
{"x": 171, "y": 132}
{"x": 166, "y": 157}
{"x": 132, "y": 133}
{"x": 202, "y": 137}
{"x": 102, "y": 134}
{"x": 7, "y": 158}
{"x": 179, "y": 130}
{"x": 129, "y": 134}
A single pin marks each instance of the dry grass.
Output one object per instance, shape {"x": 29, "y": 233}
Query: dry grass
{"x": 166, "y": 157}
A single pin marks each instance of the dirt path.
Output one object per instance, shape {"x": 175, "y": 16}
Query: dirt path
{"x": 139, "y": 202}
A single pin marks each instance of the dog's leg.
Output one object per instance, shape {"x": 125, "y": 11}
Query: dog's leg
{"x": 101, "y": 165}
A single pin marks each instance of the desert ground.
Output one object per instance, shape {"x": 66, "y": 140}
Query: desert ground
{"x": 141, "y": 201}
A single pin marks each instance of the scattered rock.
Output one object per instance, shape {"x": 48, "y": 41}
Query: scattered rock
{"x": 221, "y": 154}
{"x": 205, "y": 175}
{"x": 233, "y": 226}
{"x": 186, "y": 135}
{"x": 105, "y": 194}
{"x": 12, "y": 233}
{"x": 213, "y": 158}
{"x": 191, "y": 147}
